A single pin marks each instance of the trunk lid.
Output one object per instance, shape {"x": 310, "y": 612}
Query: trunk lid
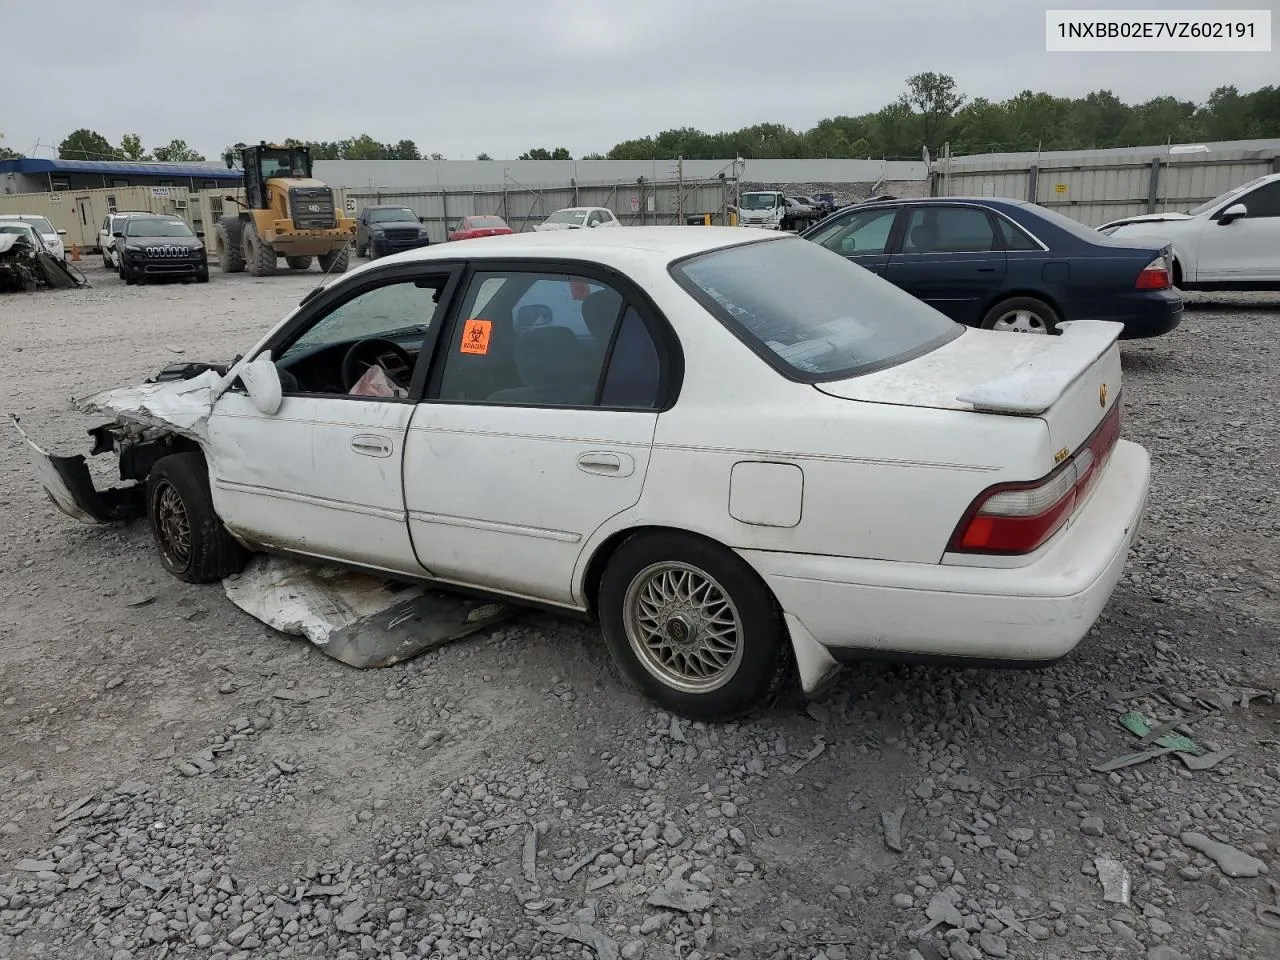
{"x": 1070, "y": 381}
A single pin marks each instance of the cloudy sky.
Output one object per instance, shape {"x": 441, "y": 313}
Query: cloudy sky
{"x": 501, "y": 76}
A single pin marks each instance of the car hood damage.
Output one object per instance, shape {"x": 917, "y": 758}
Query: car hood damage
{"x": 25, "y": 268}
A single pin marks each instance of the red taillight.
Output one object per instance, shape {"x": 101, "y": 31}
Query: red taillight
{"x": 1017, "y": 518}
{"x": 1155, "y": 275}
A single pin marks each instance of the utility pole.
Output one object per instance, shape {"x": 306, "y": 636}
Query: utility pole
{"x": 680, "y": 190}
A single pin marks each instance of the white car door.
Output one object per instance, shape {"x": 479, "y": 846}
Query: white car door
{"x": 537, "y": 427}
{"x": 322, "y": 475}
{"x": 1244, "y": 249}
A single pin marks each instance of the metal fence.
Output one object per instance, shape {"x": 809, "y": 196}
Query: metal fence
{"x": 1095, "y": 191}
{"x": 634, "y": 204}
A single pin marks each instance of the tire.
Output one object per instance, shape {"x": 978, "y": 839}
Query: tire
{"x": 1022, "y": 315}
{"x": 369, "y": 252}
{"x": 259, "y": 257}
{"x": 229, "y": 243}
{"x": 193, "y": 544}
{"x": 203, "y": 276}
{"x": 335, "y": 261}
{"x": 299, "y": 263}
{"x": 739, "y": 680}
{"x": 361, "y": 251}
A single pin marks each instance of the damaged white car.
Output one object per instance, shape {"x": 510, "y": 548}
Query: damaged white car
{"x": 742, "y": 453}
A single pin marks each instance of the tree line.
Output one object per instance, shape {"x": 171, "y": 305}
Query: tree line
{"x": 931, "y": 112}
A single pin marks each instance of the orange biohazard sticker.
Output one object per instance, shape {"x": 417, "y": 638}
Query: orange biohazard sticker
{"x": 475, "y": 336}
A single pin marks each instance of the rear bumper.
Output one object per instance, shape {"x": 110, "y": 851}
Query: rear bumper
{"x": 1031, "y": 614}
{"x": 1149, "y": 314}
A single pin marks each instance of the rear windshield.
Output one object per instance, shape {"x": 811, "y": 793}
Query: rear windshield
{"x": 811, "y": 313}
{"x": 40, "y": 223}
{"x": 568, "y": 216}
{"x": 486, "y": 223}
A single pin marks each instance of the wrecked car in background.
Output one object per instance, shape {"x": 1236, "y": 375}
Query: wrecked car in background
{"x": 659, "y": 427}
{"x": 26, "y": 263}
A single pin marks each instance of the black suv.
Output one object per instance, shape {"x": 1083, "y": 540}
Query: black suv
{"x": 154, "y": 247}
{"x": 384, "y": 228}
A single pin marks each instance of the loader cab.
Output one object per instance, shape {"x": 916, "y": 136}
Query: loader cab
{"x": 264, "y": 162}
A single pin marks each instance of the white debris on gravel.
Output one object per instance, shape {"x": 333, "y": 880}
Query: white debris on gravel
{"x": 177, "y": 781}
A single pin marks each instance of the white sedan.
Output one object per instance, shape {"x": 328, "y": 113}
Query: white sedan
{"x": 575, "y": 218}
{"x": 1229, "y": 242}
{"x": 742, "y": 453}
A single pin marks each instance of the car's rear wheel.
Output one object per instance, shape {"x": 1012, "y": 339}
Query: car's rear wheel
{"x": 692, "y": 626}
{"x": 193, "y": 544}
{"x": 1021, "y": 315}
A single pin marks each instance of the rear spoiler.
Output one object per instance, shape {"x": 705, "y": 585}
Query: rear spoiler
{"x": 1033, "y": 387}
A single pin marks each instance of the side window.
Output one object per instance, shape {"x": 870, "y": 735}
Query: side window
{"x": 1263, "y": 202}
{"x": 596, "y": 218}
{"x": 859, "y": 233}
{"x": 534, "y": 339}
{"x": 401, "y": 313}
{"x": 1014, "y": 237}
{"x": 948, "y": 230}
{"x": 634, "y": 377}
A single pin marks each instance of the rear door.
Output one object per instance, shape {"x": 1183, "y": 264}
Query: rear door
{"x": 863, "y": 237}
{"x": 537, "y": 427}
{"x": 951, "y": 258}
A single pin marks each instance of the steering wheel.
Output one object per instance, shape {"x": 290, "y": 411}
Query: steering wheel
{"x": 351, "y": 373}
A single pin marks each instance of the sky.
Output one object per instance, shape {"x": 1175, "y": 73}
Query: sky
{"x": 502, "y": 76}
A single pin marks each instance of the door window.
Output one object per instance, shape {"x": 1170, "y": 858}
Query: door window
{"x": 325, "y": 357}
{"x": 1263, "y": 202}
{"x": 860, "y": 233}
{"x": 549, "y": 340}
{"x": 948, "y": 230}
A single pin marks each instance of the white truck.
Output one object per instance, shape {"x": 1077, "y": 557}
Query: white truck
{"x": 773, "y": 210}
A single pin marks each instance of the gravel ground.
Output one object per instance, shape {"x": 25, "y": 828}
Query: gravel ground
{"x": 178, "y": 781}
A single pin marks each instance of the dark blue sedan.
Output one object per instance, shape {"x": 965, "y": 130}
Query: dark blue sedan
{"x": 1007, "y": 264}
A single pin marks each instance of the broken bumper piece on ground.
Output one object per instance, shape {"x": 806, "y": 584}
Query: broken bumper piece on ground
{"x": 361, "y": 620}
{"x": 68, "y": 484}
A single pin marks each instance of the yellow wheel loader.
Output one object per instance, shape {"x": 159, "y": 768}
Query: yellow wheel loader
{"x": 286, "y": 213}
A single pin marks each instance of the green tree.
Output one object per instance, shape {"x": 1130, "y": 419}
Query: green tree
{"x": 935, "y": 97}
{"x": 7, "y": 154}
{"x": 404, "y": 150}
{"x": 86, "y": 144}
{"x": 177, "y": 151}
{"x": 131, "y": 148}
{"x": 542, "y": 153}
{"x": 483, "y": 156}
{"x": 437, "y": 156}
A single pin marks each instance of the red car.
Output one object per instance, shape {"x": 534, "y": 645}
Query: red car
{"x": 479, "y": 227}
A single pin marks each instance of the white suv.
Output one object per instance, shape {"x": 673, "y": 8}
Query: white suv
{"x": 1230, "y": 242}
{"x": 111, "y": 224}
{"x": 51, "y": 236}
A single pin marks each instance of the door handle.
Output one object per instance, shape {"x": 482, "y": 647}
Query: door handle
{"x": 986, "y": 269}
{"x": 371, "y": 445}
{"x": 607, "y": 463}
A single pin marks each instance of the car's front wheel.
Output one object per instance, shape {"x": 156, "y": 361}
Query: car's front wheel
{"x": 692, "y": 626}
{"x": 1021, "y": 315}
{"x": 194, "y": 545}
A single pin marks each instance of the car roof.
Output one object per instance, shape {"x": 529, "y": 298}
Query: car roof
{"x": 605, "y": 246}
{"x": 23, "y": 216}
{"x": 984, "y": 201}
{"x": 387, "y": 206}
